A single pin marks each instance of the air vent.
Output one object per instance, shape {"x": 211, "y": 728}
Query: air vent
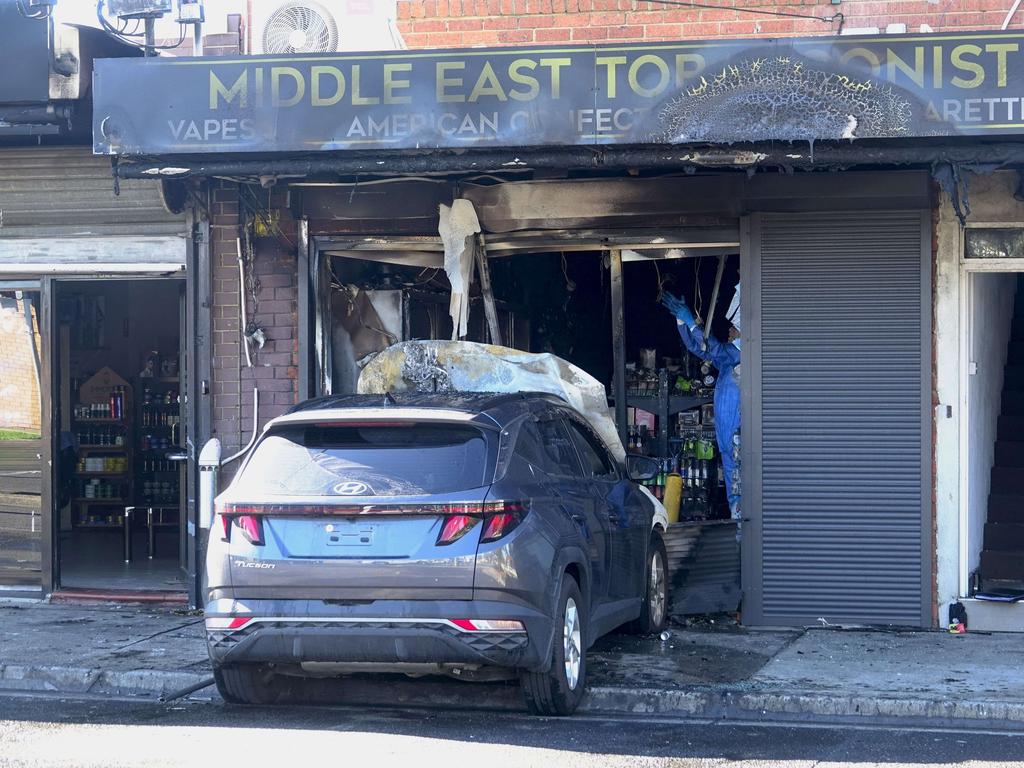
{"x": 300, "y": 28}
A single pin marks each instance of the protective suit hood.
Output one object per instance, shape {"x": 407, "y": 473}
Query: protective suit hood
{"x": 732, "y": 313}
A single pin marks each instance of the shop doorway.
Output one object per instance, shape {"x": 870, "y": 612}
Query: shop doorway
{"x": 119, "y": 486}
{"x": 23, "y": 450}
{"x": 992, "y": 451}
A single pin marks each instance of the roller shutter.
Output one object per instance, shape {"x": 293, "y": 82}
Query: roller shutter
{"x": 69, "y": 192}
{"x": 840, "y": 423}
{"x": 58, "y": 213}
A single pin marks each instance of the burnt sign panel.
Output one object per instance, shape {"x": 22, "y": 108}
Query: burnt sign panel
{"x": 726, "y": 91}
{"x": 24, "y": 56}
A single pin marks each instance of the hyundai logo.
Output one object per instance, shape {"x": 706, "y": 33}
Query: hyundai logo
{"x": 352, "y": 488}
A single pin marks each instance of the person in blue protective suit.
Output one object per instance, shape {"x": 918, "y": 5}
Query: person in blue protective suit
{"x": 725, "y": 357}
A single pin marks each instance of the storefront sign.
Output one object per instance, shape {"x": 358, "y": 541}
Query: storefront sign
{"x": 722, "y": 91}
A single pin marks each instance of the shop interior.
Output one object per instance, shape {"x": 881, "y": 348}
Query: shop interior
{"x": 992, "y": 551}
{"x": 561, "y": 302}
{"x": 119, "y": 483}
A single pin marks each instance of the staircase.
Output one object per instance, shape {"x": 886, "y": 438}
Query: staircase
{"x": 1002, "y": 559}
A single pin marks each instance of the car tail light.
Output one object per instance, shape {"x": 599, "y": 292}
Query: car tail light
{"x": 500, "y": 518}
{"x": 454, "y": 528}
{"x": 244, "y": 516}
{"x": 252, "y": 528}
{"x": 488, "y": 625}
{"x": 227, "y": 622}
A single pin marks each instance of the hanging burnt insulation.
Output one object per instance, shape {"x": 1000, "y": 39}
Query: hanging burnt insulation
{"x": 953, "y": 179}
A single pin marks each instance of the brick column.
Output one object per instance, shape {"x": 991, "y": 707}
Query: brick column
{"x": 273, "y": 274}
{"x": 227, "y": 350}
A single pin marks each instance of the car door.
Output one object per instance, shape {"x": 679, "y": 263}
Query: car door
{"x": 577, "y": 502}
{"x": 615, "y": 504}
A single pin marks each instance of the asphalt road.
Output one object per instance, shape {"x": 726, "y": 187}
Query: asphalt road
{"x": 43, "y": 730}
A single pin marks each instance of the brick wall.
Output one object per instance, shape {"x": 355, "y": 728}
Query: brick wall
{"x": 273, "y": 307}
{"x": 226, "y": 423}
{"x": 19, "y": 387}
{"x": 466, "y": 23}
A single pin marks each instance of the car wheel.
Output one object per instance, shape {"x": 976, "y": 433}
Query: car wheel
{"x": 248, "y": 684}
{"x": 654, "y": 613}
{"x": 559, "y": 690}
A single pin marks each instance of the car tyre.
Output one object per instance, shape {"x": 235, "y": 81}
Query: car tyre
{"x": 559, "y": 690}
{"x": 248, "y": 684}
{"x": 654, "y": 613}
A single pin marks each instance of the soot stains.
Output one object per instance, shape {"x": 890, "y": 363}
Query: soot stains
{"x": 783, "y": 98}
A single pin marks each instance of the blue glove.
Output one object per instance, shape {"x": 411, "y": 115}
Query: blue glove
{"x": 678, "y": 308}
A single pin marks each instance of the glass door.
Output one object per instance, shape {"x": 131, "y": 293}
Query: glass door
{"x": 21, "y": 438}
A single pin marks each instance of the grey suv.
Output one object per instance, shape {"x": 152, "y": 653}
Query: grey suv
{"x": 461, "y": 534}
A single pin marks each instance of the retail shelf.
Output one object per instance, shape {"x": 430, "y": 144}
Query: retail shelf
{"x": 84, "y": 500}
{"x": 114, "y": 422}
{"x": 103, "y": 474}
{"x": 119, "y": 448}
{"x": 676, "y": 403}
{"x": 664, "y": 406}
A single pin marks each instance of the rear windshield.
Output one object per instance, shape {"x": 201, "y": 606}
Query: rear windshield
{"x": 401, "y": 460}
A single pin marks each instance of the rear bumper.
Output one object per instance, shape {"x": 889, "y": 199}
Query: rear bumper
{"x": 380, "y": 632}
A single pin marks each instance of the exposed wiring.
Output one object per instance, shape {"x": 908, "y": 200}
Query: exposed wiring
{"x": 125, "y": 37}
{"x": 252, "y": 284}
{"x": 785, "y": 14}
{"x": 352, "y": 298}
{"x": 698, "y": 304}
{"x": 262, "y": 213}
{"x": 433, "y": 274}
{"x": 41, "y": 14}
{"x": 1010, "y": 15}
{"x": 570, "y": 284}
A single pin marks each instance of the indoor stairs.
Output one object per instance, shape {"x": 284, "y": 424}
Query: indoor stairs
{"x": 1002, "y": 559}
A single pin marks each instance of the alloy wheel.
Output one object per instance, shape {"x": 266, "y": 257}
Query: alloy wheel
{"x": 572, "y": 644}
{"x": 656, "y": 593}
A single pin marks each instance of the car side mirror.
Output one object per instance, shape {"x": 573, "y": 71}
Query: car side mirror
{"x": 641, "y": 468}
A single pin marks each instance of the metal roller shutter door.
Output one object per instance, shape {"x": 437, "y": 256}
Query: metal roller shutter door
{"x": 844, "y": 422}
{"x": 69, "y": 192}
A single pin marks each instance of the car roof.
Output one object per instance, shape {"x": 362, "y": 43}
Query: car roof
{"x": 499, "y": 406}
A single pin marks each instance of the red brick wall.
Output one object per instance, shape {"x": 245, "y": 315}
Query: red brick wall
{"x": 465, "y": 23}
{"x": 275, "y": 368}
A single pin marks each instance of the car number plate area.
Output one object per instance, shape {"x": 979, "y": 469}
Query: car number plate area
{"x": 355, "y": 535}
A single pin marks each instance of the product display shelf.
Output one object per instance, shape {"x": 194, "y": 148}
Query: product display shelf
{"x": 157, "y": 479}
{"x": 664, "y": 406}
{"x": 96, "y": 511}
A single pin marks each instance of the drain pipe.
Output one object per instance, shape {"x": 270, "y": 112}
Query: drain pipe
{"x": 241, "y": 303}
{"x": 255, "y": 427}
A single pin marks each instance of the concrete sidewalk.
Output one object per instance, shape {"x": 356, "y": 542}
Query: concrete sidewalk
{"x": 926, "y": 678}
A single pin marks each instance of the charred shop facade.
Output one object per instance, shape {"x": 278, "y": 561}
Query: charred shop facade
{"x": 826, "y": 176}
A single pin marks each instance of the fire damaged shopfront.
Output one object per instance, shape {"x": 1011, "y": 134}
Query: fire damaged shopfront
{"x": 803, "y": 201}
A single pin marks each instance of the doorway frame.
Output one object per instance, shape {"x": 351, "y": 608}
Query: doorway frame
{"x": 51, "y": 563}
{"x": 969, "y": 268}
{"x": 39, "y": 285}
